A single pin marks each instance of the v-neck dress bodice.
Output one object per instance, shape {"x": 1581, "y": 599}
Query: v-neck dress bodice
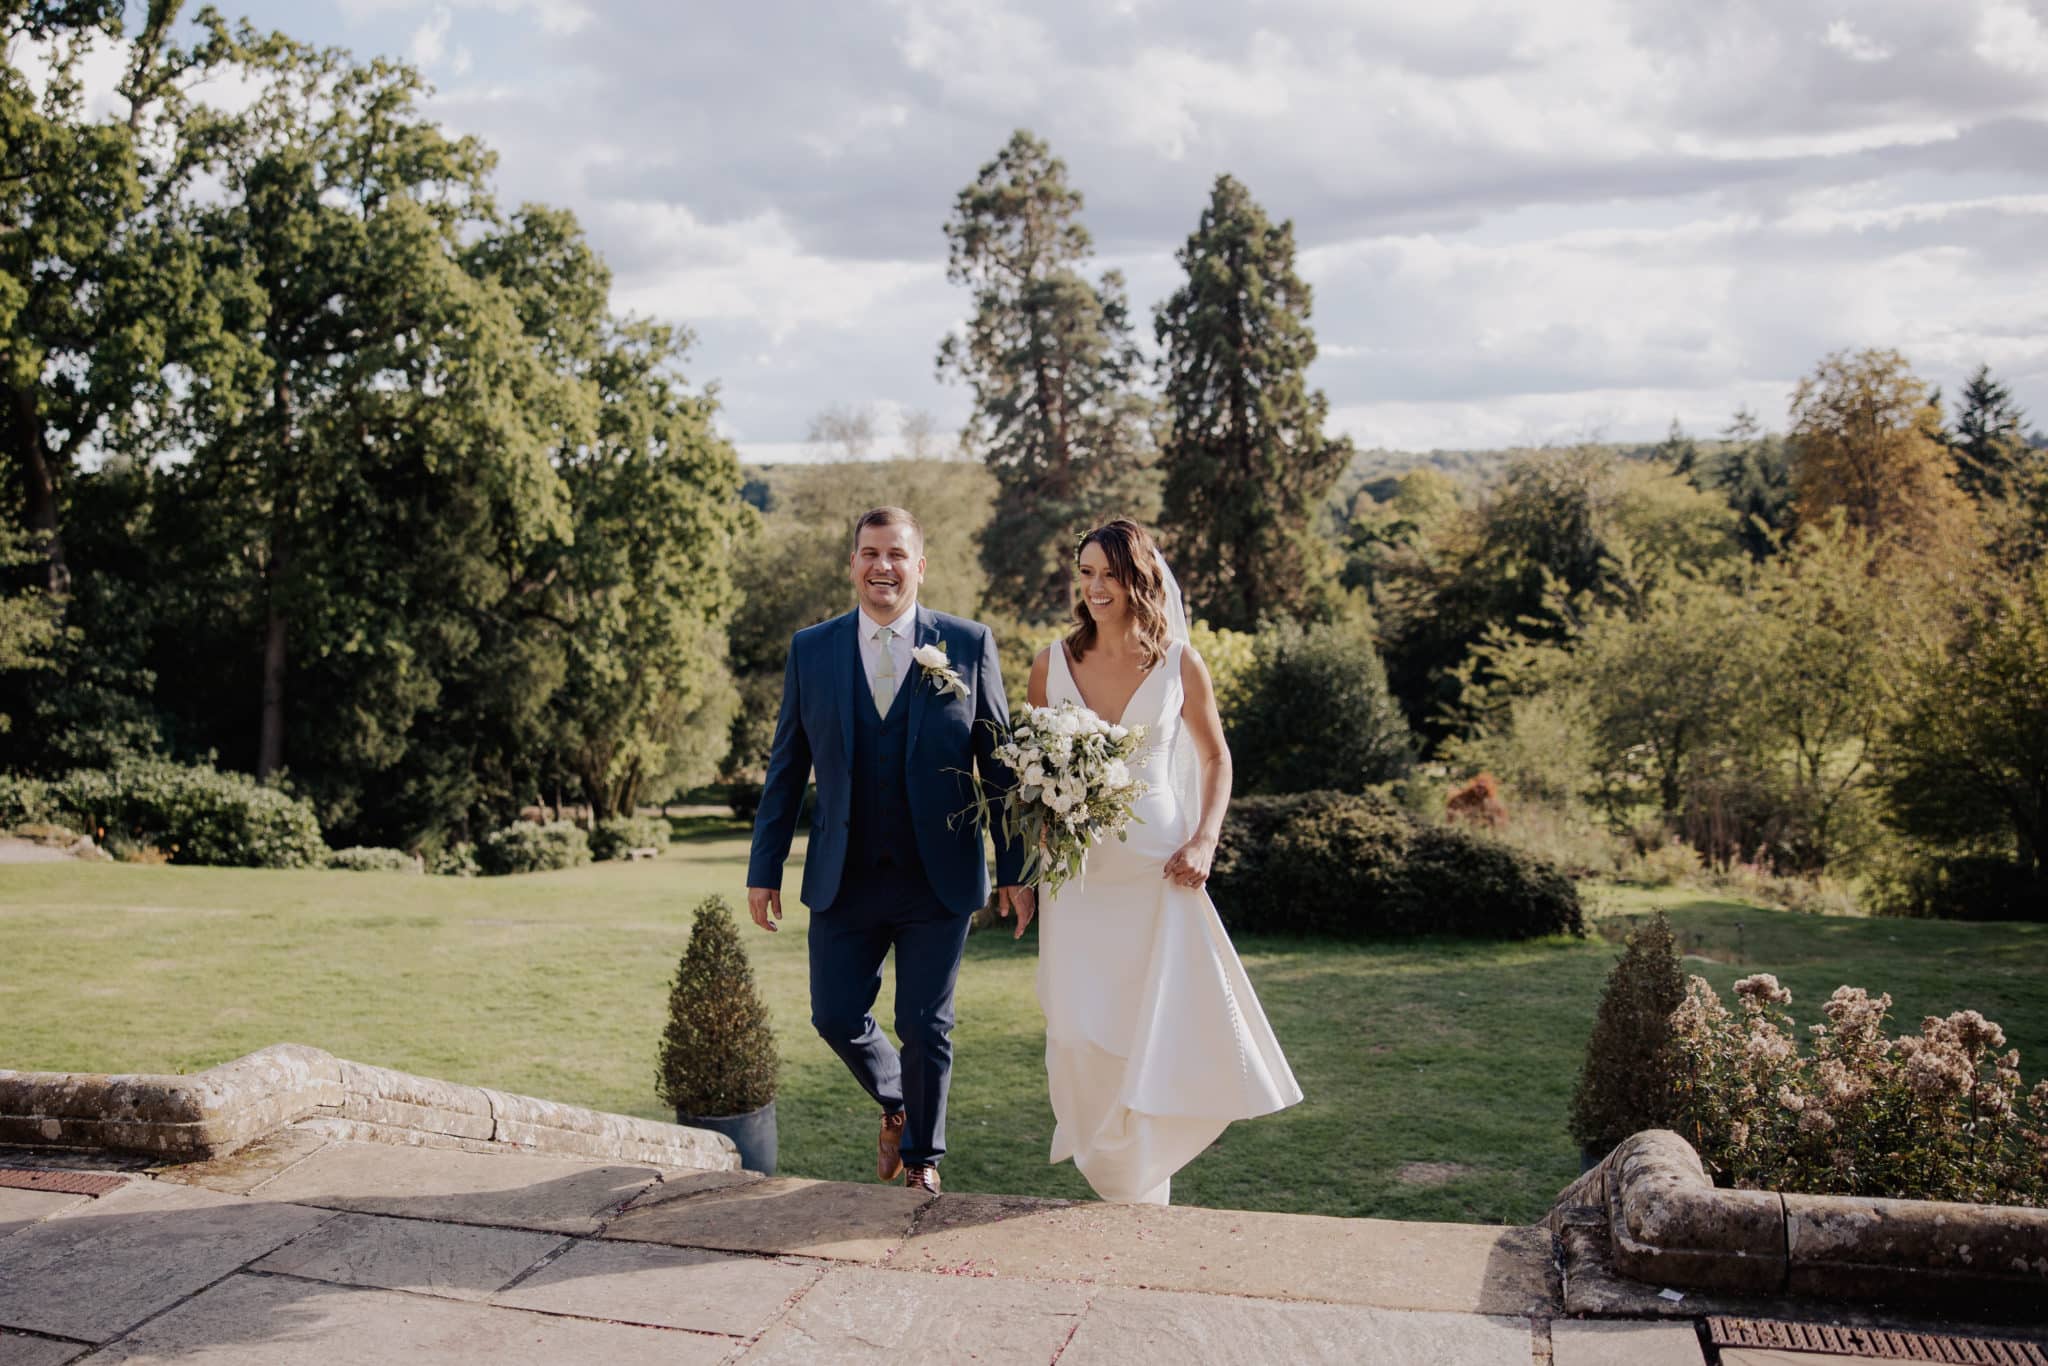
{"x": 1155, "y": 1040}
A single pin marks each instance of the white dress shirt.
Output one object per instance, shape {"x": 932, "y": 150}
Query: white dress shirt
{"x": 905, "y": 627}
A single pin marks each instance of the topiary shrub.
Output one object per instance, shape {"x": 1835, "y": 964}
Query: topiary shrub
{"x": 1355, "y": 865}
{"x": 1629, "y": 1081}
{"x": 530, "y": 847}
{"x": 718, "y": 1053}
{"x": 618, "y": 837}
{"x": 193, "y": 814}
{"x": 366, "y": 859}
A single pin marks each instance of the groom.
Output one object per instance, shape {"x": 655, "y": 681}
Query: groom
{"x": 892, "y": 737}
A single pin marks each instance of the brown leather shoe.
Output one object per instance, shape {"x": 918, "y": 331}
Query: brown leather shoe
{"x": 889, "y": 1149}
{"x": 921, "y": 1176}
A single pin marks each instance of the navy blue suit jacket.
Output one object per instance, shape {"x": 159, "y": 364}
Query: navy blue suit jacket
{"x": 949, "y": 736}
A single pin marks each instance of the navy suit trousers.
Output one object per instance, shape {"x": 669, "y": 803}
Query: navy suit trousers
{"x": 875, "y": 911}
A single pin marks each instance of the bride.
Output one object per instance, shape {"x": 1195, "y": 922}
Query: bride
{"x": 1154, "y": 1041}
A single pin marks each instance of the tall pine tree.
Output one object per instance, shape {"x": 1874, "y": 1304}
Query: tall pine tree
{"x": 1247, "y": 463}
{"x": 1049, "y": 357}
{"x": 1754, "y": 473}
{"x": 1989, "y": 440}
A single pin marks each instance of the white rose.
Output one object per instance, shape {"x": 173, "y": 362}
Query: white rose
{"x": 1119, "y": 732}
{"x": 1115, "y": 774}
{"x": 1034, "y": 774}
{"x": 931, "y": 656}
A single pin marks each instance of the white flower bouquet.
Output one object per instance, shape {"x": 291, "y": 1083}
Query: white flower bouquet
{"x": 1075, "y": 784}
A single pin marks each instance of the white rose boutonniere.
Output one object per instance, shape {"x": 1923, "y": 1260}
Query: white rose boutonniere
{"x": 940, "y": 674}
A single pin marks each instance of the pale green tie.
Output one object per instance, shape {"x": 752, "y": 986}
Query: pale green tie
{"x": 885, "y": 673}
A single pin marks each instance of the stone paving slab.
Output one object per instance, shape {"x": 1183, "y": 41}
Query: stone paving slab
{"x": 19, "y": 1209}
{"x": 554, "y": 1194}
{"x": 277, "y": 1321}
{"x": 243, "y": 1171}
{"x": 1126, "y": 1326}
{"x": 859, "y": 1315}
{"x": 839, "y": 1220}
{"x": 1573, "y": 1343}
{"x": 457, "y": 1261}
{"x": 682, "y": 1185}
{"x": 95, "y": 1272}
{"x": 1462, "y": 1268}
{"x": 665, "y": 1287}
{"x": 18, "y": 1349}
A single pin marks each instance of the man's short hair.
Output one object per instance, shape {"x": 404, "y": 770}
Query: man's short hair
{"x": 889, "y": 516}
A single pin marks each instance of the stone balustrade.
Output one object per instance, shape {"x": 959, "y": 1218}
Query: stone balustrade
{"x": 1669, "y": 1225}
{"x": 211, "y": 1113}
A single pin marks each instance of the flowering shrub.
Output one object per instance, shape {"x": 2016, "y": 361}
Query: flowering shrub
{"x": 1933, "y": 1116}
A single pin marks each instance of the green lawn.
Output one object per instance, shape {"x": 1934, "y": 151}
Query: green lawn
{"x": 1460, "y": 1055}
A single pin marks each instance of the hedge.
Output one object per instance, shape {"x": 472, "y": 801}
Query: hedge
{"x": 527, "y": 847}
{"x": 1357, "y": 866}
{"x": 618, "y": 837}
{"x": 366, "y": 859}
{"x": 194, "y": 814}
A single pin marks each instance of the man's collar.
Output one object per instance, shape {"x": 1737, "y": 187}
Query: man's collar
{"x": 903, "y": 625}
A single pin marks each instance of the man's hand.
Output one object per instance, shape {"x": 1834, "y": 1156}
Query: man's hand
{"x": 1023, "y": 899}
{"x": 761, "y": 901}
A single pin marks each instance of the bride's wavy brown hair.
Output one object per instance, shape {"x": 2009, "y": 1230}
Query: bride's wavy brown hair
{"x": 1134, "y": 559}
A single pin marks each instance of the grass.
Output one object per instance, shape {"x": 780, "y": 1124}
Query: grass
{"x": 1453, "y": 1061}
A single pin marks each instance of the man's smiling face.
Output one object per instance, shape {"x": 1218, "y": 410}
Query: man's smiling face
{"x": 888, "y": 567}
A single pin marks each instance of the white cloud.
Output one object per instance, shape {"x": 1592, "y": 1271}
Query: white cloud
{"x": 2011, "y": 36}
{"x": 1845, "y": 38}
{"x": 430, "y": 40}
{"x": 1518, "y": 220}
{"x": 555, "y": 17}
{"x": 752, "y": 270}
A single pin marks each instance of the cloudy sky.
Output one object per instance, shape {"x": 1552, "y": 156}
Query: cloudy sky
{"x": 1523, "y": 222}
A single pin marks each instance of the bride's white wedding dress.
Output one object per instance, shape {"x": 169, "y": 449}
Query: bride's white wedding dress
{"x": 1154, "y": 1041}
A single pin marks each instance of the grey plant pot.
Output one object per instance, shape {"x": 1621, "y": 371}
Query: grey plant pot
{"x": 752, "y": 1133}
